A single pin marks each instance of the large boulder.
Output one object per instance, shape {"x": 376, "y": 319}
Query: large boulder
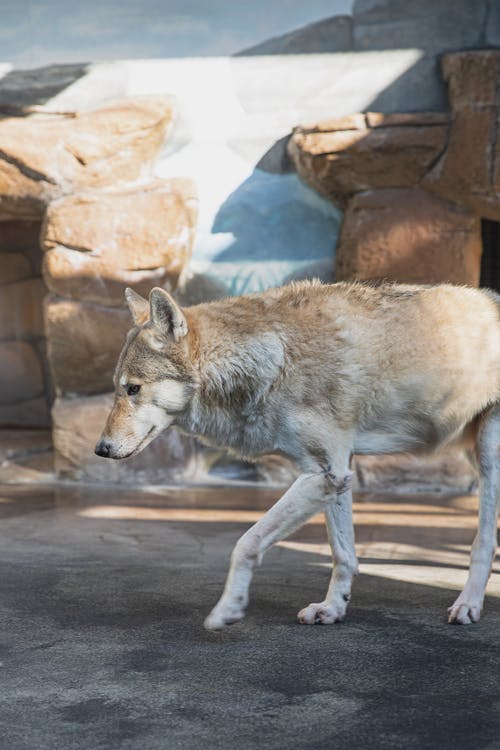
{"x": 408, "y": 235}
{"x": 46, "y": 155}
{"x": 97, "y": 243}
{"x": 469, "y": 170}
{"x": 77, "y": 424}
{"x": 83, "y": 344}
{"x": 346, "y": 155}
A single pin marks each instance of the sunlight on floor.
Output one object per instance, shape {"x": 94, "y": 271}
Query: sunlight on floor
{"x": 365, "y": 513}
{"x": 425, "y": 545}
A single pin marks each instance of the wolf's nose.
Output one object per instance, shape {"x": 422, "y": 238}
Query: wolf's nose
{"x": 103, "y": 449}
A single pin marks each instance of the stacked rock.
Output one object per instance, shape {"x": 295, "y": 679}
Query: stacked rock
{"x": 106, "y": 224}
{"x": 24, "y": 385}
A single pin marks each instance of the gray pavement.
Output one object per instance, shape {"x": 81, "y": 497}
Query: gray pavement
{"x": 103, "y": 594}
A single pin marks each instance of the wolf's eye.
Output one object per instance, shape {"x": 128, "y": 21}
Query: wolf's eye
{"x": 133, "y": 389}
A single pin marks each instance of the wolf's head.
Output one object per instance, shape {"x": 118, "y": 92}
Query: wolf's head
{"x": 153, "y": 379}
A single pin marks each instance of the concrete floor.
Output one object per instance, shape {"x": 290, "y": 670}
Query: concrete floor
{"x": 103, "y": 594}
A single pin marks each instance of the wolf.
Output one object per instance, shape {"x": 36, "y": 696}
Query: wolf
{"x": 317, "y": 373}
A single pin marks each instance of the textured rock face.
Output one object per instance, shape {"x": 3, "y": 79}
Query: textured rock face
{"x": 83, "y": 344}
{"x": 345, "y": 156}
{"x": 97, "y": 243}
{"x": 78, "y": 422}
{"x": 469, "y": 170}
{"x": 411, "y": 236}
{"x": 44, "y": 156}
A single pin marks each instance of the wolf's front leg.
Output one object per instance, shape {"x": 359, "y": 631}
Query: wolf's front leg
{"x": 308, "y": 495}
{"x": 338, "y": 516}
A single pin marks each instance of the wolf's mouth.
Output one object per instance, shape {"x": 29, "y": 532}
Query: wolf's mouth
{"x": 141, "y": 445}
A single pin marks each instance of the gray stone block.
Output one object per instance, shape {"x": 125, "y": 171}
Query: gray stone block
{"x": 433, "y": 28}
{"x": 328, "y": 35}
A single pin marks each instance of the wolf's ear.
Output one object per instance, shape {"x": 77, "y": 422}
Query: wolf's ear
{"x": 165, "y": 314}
{"x": 137, "y": 305}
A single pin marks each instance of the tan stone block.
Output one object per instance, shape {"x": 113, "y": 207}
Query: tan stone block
{"x": 77, "y": 425}
{"x": 356, "y": 121}
{"x": 14, "y": 267}
{"x": 21, "y": 375}
{"x": 410, "y": 236}
{"x": 44, "y": 156}
{"x": 469, "y": 170}
{"x": 21, "y": 309}
{"x": 338, "y": 164}
{"x": 472, "y": 78}
{"x": 464, "y": 173}
{"x": 83, "y": 344}
{"x": 99, "y": 243}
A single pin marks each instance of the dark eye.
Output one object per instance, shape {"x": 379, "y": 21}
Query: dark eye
{"x": 133, "y": 389}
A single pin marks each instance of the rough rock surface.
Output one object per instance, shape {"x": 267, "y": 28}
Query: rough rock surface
{"x": 375, "y": 151}
{"x": 98, "y": 243}
{"x": 83, "y": 344}
{"x": 46, "y": 155}
{"x": 77, "y": 424}
{"x": 469, "y": 170}
{"x": 408, "y": 235}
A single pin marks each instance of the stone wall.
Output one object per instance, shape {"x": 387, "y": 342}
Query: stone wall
{"x": 81, "y": 218}
{"x": 95, "y": 245}
{"x": 414, "y": 186}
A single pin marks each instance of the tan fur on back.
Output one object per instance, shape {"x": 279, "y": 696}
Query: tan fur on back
{"x": 422, "y": 361}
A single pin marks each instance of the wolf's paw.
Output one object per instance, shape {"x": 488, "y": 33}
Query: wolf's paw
{"x": 322, "y": 614}
{"x": 464, "y": 613}
{"x": 221, "y": 616}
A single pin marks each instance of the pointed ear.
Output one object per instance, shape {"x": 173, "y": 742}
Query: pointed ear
{"x": 137, "y": 305}
{"x": 165, "y": 314}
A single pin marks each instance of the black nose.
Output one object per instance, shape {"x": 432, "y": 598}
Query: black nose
{"x": 103, "y": 449}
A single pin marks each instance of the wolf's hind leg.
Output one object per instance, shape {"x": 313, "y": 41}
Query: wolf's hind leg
{"x": 338, "y": 516}
{"x": 467, "y": 608}
{"x": 307, "y": 495}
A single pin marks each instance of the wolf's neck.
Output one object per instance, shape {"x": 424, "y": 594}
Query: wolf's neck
{"x": 234, "y": 381}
